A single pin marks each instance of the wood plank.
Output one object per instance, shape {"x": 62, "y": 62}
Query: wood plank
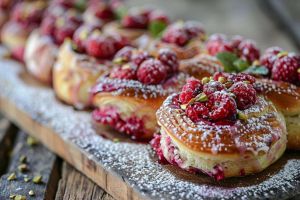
{"x": 126, "y": 170}
{"x": 39, "y": 161}
{"x": 75, "y": 186}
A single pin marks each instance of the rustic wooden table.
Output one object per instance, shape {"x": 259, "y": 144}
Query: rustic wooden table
{"x": 61, "y": 181}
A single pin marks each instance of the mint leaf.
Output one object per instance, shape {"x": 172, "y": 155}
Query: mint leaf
{"x": 227, "y": 59}
{"x": 240, "y": 65}
{"x": 120, "y": 12}
{"x": 258, "y": 70}
{"x": 156, "y": 28}
{"x": 80, "y": 5}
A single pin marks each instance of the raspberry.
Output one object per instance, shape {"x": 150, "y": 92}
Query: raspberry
{"x": 197, "y": 111}
{"x": 73, "y": 16}
{"x": 248, "y": 51}
{"x": 169, "y": 58}
{"x": 190, "y": 90}
{"x": 48, "y": 26}
{"x": 64, "y": 30}
{"x": 124, "y": 53}
{"x": 80, "y": 36}
{"x": 194, "y": 29}
{"x": 151, "y": 72}
{"x": 217, "y": 43}
{"x": 221, "y": 106}
{"x": 120, "y": 41}
{"x": 103, "y": 11}
{"x": 176, "y": 34}
{"x": 100, "y": 46}
{"x": 236, "y": 40}
{"x": 269, "y": 57}
{"x": 241, "y": 77}
{"x": 127, "y": 71}
{"x": 135, "y": 21}
{"x": 285, "y": 68}
{"x": 245, "y": 95}
{"x": 212, "y": 86}
{"x": 155, "y": 143}
{"x": 139, "y": 57}
{"x": 158, "y": 15}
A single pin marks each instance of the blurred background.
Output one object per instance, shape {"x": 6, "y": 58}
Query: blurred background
{"x": 268, "y": 22}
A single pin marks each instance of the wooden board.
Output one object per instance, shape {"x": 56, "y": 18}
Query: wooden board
{"x": 126, "y": 170}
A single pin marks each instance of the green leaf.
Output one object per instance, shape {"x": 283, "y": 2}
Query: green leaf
{"x": 240, "y": 65}
{"x": 227, "y": 59}
{"x": 80, "y": 5}
{"x": 156, "y": 28}
{"x": 258, "y": 70}
{"x": 121, "y": 11}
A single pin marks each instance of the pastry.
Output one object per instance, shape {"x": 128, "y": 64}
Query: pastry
{"x": 25, "y": 17}
{"x": 81, "y": 62}
{"x": 221, "y": 127}
{"x": 184, "y": 38}
{"x": 129, "y": 96}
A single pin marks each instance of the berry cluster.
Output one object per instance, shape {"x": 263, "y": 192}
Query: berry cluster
{"x": 135, "y": 64}
{"x": 283, "y": 66}
{"x": 217, "y": 98}
{"x": 141, "y": 18}
{"x": 243, "y": 48}
{"x": 181, "y": 33}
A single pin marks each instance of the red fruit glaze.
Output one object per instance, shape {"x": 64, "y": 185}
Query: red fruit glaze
{"x": 169, "y": 58}
{"x": 221, "y": 106}
{"x": 248, "y": 51}
{"x": 151, "y": 72}
{"x": 197, "y": 111}
{"x": 190, "y": 90}
{"x": 245, "y": 95}
{"x": 285, "y": 68}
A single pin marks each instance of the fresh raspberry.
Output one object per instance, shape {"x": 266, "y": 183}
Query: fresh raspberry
{"x": 236, "y": 41}
{"x": 197, "y": 111}
{"x": 155, "y": 143}
{"x": 245, "y": 95}
{"x": 48, "y": 26}
{"x": 221, "y": 106}
{"x": 124, "y": 53}
{"x": 74, "y": 16}
{"x": 139, "y": 57}
{"x": 65, "y": 3}
{"x": 64, "y": 30}
{"x": 135, "y": 21}
{"x": 120, "y": 41}
{"x": 285, "y": 68}
{"x": 269, "y": 57}
{"x": 152, "y": 71}
{"x": 103, "y": 11}
{"x": 217, "y": 43}
{"x": 248, "y": 51}
{"x": 176, "y": 34}
{"x": 241, "y": 77}
{"x": 212, "y": 87}
{"x": 100, "y": 46}
{"x": 25, "y": 13}
{"x": 169, "y": 58}
{"x": 190, "y": 90}
{"x": 127, "y": 71}
{"x": 158, "y": 15}
{"x": 194, "y": 29}
{"x": 80, "y": 36}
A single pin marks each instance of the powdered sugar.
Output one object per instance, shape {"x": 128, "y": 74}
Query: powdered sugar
{"x": 134, "y": 161}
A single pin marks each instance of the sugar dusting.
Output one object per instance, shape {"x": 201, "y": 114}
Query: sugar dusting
{"x": 131, "y": 161}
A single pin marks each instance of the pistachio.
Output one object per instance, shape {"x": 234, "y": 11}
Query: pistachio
{"x": 23, "y": 168}
{"x": 37, "y": 179}
{"x": 31, "y": 193}
{"x": 116, "y": 140}
{"x": 283, "y": 53}
{"x": 118, "y": 60}
{"x": 205, "y": 80}
{"x": 242, "y": 116}
{"x": 23, "y": 159}
{"x": 202, "y": 97}
{"x": 31, "y": 141}
{"x": 222, "y": 79}
{"x": 20, "y": 197}
{"x": 256, "y": 63}
{"x": 183, "y": 106}
{"x": 26, "y": 179}
{"x": 12, "y": 177}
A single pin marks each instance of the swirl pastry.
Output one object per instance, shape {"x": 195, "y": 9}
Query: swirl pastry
{"x": 221, "y": 127}
{"x": 128, "y": 98}
{"x": 282, "y": 87}
{"x": 41, "y": 49}
{"x": 25, "y": 17}
{"x": 184, "y": 38}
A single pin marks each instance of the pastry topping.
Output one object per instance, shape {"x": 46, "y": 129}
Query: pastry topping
{"x": 169, "y": 58}
{"x": 269, "y": 57}
{"x": 127, "y": 71}
{"x": 80, "y": 36}
{"x": 139, "y": 57}
{"x": 217, "y": 43}
{"x": 181, "y": 33}
{"x": 248, "y": 51}
{"x": 217, "y": 98}
{"x": 102, "y": 10}
{"x": 138, "y": 19}
{"x": 48, "y": 26}
{"x": 64, "y": 29}
{"x": 152, "y": 72}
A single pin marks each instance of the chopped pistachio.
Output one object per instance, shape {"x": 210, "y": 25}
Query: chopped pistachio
{"x": 247, "y": 82}
{"x": 26, "y": 179}
{"x": 222, "y": 79}
{"x": 298, "y": 70}
{"x": 23, "y": 159}
{"x": 23, "y": 168}
{"x": 12, "y": 196}
{"x": 31, "y": 141}
{"x": 12, "y": 177}
{"x": 211, "y": 78}
{"x": 37, "y": 179}
{"x": 201, "y": 97}
{"x": 116, "y": 140}
{"x": 20, "y": 197}
{"x": 31, "y": 193}
{"x": 256, "y": 63}
{"x": 205, "y": 80}
{"x": 183, "y": 106}
{"x": 118, "y": 60}
{"x": 283, "y": 53}
{"x": 242, "y": 116}
{"x": 228, "y": 84}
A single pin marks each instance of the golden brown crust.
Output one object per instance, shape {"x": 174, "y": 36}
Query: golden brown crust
{"x": 262, "y": 128}
{"x": 74, "y": 74}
